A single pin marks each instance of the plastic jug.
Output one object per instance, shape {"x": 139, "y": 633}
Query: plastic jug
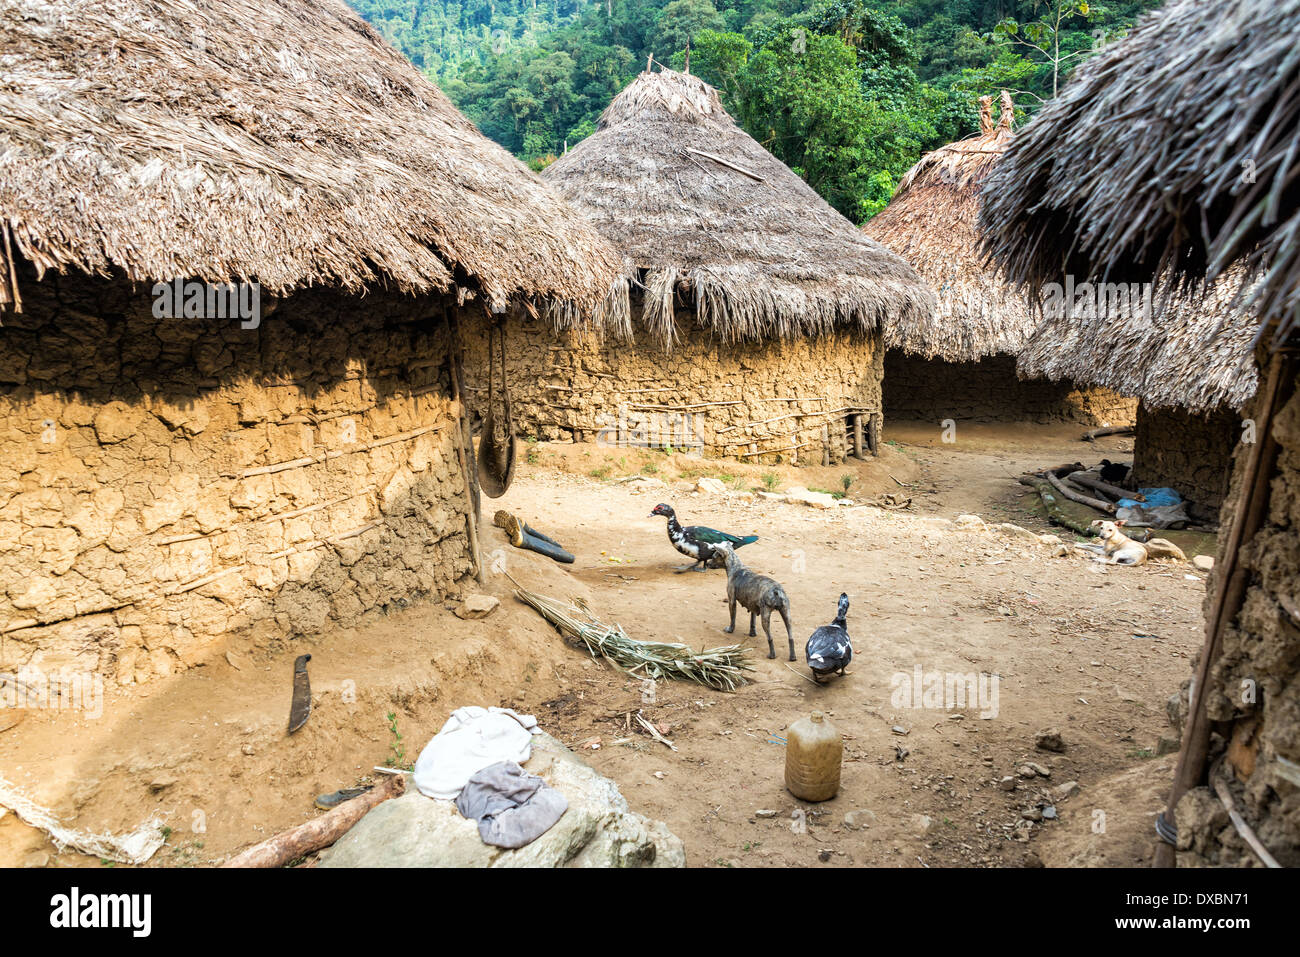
{"x": 814, "y": 752}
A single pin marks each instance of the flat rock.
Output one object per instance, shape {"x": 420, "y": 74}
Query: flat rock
{"x": 1066, "y": 791}
{"x": 477, "y": 606}
{"x": 1016, "y": 531}
{"x": 1203, "y": 562}
{"x": 711, "y": 486}
{"x": 859, "y": 820}
{"x": 802, "y": 496}
{"x": 598, "y": 829}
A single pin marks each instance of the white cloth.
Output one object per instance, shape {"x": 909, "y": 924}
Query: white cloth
{"x": 472, "y": 739}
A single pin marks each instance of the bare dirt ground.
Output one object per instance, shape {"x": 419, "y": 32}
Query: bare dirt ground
{"x": 1092, "y": 652}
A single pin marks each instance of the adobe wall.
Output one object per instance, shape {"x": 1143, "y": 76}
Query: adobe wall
{"x": 1254, "y": 688}
{"x": 990, "y": 391}
{"x": 166, "y": 481}
{"x": 777, "y": 401}
{"x": 1189, "y": 453}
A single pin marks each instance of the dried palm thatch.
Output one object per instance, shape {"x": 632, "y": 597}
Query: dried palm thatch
{"x": 1192, "y": 355}
{"x": 722, "y": 668}
{"x": 1175, "y": 153}
{"x": 278, "y": 141}
{"x": 932, "y": 222}
{"x": 703, "y": 211}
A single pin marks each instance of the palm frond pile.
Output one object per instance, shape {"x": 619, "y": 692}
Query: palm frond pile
{"x": 721, "y": 668}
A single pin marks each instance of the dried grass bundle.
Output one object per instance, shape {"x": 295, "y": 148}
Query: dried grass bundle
{"x": 720, "y": 668}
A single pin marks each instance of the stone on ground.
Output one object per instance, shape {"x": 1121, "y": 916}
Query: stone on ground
{"x": 598, "y": 829}
{"x": 476, "y": 606}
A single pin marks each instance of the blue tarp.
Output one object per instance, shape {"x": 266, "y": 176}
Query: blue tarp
{"x": 1155, "y": 497}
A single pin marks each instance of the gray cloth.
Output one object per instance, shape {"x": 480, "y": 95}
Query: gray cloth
{"x": 513, "y": 808}
{"x": 1155, "y": 516}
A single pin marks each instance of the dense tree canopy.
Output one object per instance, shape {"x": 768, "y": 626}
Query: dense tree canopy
{"x": 848, "y": 93}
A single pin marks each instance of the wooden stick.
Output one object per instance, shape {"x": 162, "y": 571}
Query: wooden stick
{"x": 718, "y": 159}
{"x": 654, "y": 733}
{"x": 322, "y": 832}
{"x": 1247, "y": 833}
{"x": 1074, "y": 496}
{"x": 462, "y": 440}
{"x": 205, "y": 580}
{"x": 679, "y": 408}
{"x": 1232, "y": 576}
{"x": 329, "y": 455}
{"x": 1090, "y": 480}
{"x": 1054, "y": 510}
{"x": 793, "y": 415}
{"x": 787, "y": 448}
{"x": 1109, "y": 430}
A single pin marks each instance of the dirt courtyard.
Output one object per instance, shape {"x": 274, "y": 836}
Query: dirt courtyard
{"x": 1059, "y": 642}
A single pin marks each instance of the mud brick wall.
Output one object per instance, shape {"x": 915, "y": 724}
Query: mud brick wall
{"x": 145, "y": 503}
{"x": 990, "y": 391}
{"x": 737, "y": 400}
{"x": 1254, "y": 688}
{"x": 1189, "y": 453}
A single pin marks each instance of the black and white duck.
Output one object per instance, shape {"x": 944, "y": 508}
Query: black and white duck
{"x": 696, "y": 541}
{"x": 830, "y": 649}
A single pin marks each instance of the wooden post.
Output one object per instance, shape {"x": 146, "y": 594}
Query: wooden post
{"x": 1231, "y": 579}
{"x": 859, "y": 442}
{"x": 465, "y": 445}
{"x": 826, "y": 444}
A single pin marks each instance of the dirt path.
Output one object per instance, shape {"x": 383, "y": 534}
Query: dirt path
{"x": 1093, "y": 652}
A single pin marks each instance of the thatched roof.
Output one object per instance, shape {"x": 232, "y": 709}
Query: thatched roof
{"x": 1174, "y": 153}
{"x": 1193, "y": 355}
{"x": 932, "y": 222}
{"x": 278, "y": 141}
{"x": 700, "y": 208}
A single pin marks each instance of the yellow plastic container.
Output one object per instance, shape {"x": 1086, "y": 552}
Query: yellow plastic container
{"x": 814, "y": 753}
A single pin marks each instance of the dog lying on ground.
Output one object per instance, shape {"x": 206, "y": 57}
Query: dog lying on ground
{"x": 759, "y": 594}
{"x": 1116, "y": 548}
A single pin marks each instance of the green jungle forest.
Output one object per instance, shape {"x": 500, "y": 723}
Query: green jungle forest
{"x": 847, "y": 93}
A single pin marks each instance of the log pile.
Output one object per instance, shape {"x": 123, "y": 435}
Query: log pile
{"x": 1071, "y": 482}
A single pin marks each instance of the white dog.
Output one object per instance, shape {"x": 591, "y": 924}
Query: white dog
{"x": 1116, "y": 548}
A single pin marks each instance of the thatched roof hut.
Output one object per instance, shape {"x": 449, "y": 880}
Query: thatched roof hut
{"x": 1173, "y": 153}
{"x": 702, "y": 209}
{"x": 1177, "y": 155}
{"x": 1190, "y": 355}
{"x": 932, "y": 222}
{"x": 278, "y": 142}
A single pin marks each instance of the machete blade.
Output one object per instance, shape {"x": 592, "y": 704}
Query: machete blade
{"x": 300, "y": 709}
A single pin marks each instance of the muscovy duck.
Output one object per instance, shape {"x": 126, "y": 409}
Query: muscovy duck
{"x": 830, "y": 649}
{"x": 696, "y": 541}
